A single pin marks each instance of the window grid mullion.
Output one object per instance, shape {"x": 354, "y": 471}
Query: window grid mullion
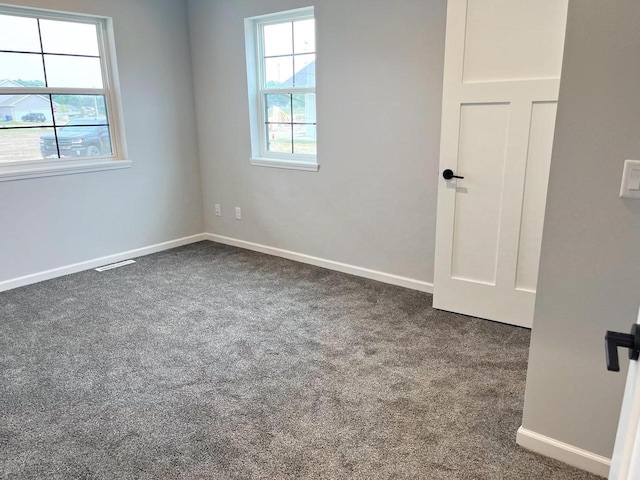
{"x": 265, "y": 113}
{"x": 44, "y": 66}
{"x": 287, "y": 91}
{"x": 291, "y": 109}
{"x": 285, "y": 123}
{"x": 53, "y": 91}
{"x": 293, "y": 62}
{"x": 286, "y": 55}
{"x": 75, "y": 55}
{"x": 55, "y": 130}
{"x": 46, "y": 84}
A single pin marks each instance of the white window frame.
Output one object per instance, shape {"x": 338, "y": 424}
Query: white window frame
{"x": 23, "y": 169}
{"x": 254, "y": 36}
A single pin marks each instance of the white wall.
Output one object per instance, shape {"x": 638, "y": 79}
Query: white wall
{"x": 52, "y": 222}
{"x": 379, "y": 86}
{"x": 590, "y": 267}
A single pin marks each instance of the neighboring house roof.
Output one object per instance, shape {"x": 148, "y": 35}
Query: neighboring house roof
{"x": 305, "y": 76}
{"x": 12, "y": 100}
{"x": 8, "y": 83}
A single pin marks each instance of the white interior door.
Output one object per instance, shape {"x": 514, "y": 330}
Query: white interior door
{"x": 502, "y": 76}
{"x": 625, "y": 464}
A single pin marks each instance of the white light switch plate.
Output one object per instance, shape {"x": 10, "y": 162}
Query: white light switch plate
{"x": 630, "y": 187}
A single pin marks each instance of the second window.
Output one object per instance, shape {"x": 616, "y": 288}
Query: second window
{"x": 286, "y": 50}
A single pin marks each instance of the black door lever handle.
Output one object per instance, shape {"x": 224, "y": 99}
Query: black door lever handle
{"x": 613, "y": 340}
{"x": 448, "y": 174}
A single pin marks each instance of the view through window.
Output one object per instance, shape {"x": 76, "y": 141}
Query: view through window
{"x": 54, "y": 100}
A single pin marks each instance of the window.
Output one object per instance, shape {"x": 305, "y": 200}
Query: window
{"x": 281, "y": 65}
{"x": 58, "y": 111}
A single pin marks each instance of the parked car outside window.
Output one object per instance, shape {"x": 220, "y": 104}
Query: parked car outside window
{"x": 82, "y": 137}
{"x": 34, "y": 117}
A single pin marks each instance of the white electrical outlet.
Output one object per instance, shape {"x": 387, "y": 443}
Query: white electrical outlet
{"x": 218, "y": 210}
{"x": 630, "y": 187}
{"x": 238, "y": 213}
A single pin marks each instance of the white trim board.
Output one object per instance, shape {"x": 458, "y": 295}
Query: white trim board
{"x": 328, "y": 264}
{"x": 140, "y": 252}
{"x": 563, "y": 452}
{"x": 97, "y": 262}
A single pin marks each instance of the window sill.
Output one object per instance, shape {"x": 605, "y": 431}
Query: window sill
{"x": 37, "y": 169}
{"x": 287, "y": 164}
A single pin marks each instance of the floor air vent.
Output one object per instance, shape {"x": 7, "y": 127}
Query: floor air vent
{"x": 115, "y": 265}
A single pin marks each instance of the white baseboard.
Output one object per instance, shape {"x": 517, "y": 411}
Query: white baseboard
{"x": 564, "y": 452}
{"x": 97, "y": 262}
{"x": 329, "y": 264}
{"x": 140, "y": 252}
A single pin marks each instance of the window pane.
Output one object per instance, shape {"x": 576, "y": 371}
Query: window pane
{"x": 304, "y": 34}
{"x": 25, "y": 110}
{"x": 78, "y": 140}
{"x": 304, "y": 139}
{"x": 279, "y": 138}
{"x": 304, "y": 116}
{"x": 20, "y": 70}
{"x": 19, "y": 34}
{"x": 69, "y": 37}
{"x": 73, "y": 72}
{"x": 22, "y": 144}
{"x": 279, "y": 72}
{"x": 278, "y": 108}
{"x": 80, "y": 108}
{"x": 305, "y": 66}
{"x": 304, "y": 108}
{"x": 278, "y": 39}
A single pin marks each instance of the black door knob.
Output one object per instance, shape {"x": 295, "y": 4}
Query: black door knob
{"x": 613, "y": 340}
{"x": 448, "y": 174}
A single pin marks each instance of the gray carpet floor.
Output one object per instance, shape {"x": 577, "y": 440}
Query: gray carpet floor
{"x": 211, "y": 362}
